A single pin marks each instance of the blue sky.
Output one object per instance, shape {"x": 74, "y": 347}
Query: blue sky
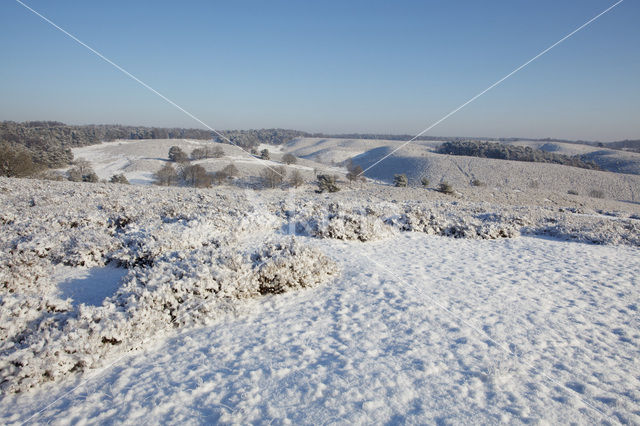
{"x": 330, "y": 66}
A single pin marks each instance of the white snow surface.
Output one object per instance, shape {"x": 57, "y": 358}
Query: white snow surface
{"x": 388, "y": 308}
{"x": 88, "y": 285}
{"x": 138, "y": 160}
{"x": 467, "y": 335}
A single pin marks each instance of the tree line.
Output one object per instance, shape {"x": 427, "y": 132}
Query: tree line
{"x": 48, "y": 143}
{"x": 511, "y": 152}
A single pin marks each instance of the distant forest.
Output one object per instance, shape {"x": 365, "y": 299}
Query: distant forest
{"x": 49, "y": 143}
{"x": 511, "y": 152}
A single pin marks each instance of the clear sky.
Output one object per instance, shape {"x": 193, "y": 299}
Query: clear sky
{"x": 329, "y": 66}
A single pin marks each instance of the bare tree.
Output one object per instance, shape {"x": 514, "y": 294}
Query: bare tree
{"x": 271, "y": 177}
{"x": 15, "y": 162}
{"x": 355, "y": 173}
{"x": 198, "y": 154}
{"x": 166, "y": 176}
{"x": 219, "y": 177}
{"x": 296, "y": 179}
{"x": 289, "y": 159}
{"x": 215, "y": 152}
{"x": 82, "y": 172}
{"x": 197, "y": 176}
{"x": 83, "y": 166}
{"x": 231, "y": 170}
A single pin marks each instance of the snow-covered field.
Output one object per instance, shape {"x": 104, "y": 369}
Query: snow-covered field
{"x": 138, "y": 160}
{"x": 418, "y": 160}
{"x": 371, "y": 305}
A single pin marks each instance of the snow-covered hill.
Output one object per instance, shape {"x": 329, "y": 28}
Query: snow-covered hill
{"x": 374, "y": 304}
{"x": 138, "y": 160}
{"x": 418, "y": 160}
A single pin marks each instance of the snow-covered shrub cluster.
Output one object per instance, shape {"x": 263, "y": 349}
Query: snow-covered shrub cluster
{"x": 191, "y": 256}
{"x": 342, "y": 223}
{"x": 288, "y": 266}
{"x": 179, "y": 288}
{"x": 433, "y": 222}
{"x": 591, "y": 230}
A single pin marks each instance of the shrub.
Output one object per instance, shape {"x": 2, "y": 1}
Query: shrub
{"x": 477, "y": 182}
{"x": 425, "y": 182}
{"x": 166, "y": 176}
{"x": 82, "y": 172}
{"x": 198, "y": 154}
{"x": 271, "y": 177}
{"x": 214, "y": 152}
{"x": 196, "y": 176}
{"x": 572, "y": 192}
{"x": 219, "y": 177}
{"x": 177, "y": 155}
{"x": 289, "y": 266}
{"x": 400, "y": 180}
{"x": 445, "y": 187}
{"x": 350, "y": 226}
{"x": 354, "y": 172}
{"x": 264, "y": 154}
{"x": 296, "y": 179}
{"x": 289, "y": 159}
{"x": 120, "y": 178}
{"x": 596, "y": 193}
{"x": 91, "y": 177}
{"x": 15, "y": 162}
{"x": 327, "y": 183}
{"x": 230, "y": 171}
{"x": 74, "y": 174}
{"x": 50, "y": 175}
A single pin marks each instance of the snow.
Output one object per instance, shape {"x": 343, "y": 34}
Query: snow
{"x": 418, "y": 160}
{"x": 138, "y": 160}
{"x": 88, "y": 285}
{"x": 370, "y": 305}
{"x": 396, "y": 341}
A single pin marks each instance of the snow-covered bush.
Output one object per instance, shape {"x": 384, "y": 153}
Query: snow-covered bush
{"x": 594, "y": 231}
{"x": 180, "y": 288}
{"x": 289, "y": 266}
{"x": 350, "y": 226}
{"x": 341, "y": 223}
{"x": 422, "y": 219}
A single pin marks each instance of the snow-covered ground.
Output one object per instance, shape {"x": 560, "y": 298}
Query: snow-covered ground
{"x": 392, "y": 306}
{"x": 525, "y": 330}
{"x": 418, "y": 160}
{"x": 138, "y": 160}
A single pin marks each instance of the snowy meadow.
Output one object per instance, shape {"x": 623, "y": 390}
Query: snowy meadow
{"x": 127, "y": 303}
